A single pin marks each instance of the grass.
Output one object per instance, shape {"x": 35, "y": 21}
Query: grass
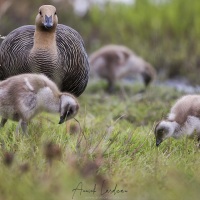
{"x": 111, "y": 155}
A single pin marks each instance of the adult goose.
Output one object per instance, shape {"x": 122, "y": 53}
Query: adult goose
{"x": 50, "y": 48}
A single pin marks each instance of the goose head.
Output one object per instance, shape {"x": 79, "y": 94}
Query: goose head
{"x": 46, "y": 18}
{"x": 68, "y": 107}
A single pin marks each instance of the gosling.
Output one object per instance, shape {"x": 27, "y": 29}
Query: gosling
{"x": 115, "y": 62}
{"x": 183, "y": 119}
{"x": 23, "y": 96}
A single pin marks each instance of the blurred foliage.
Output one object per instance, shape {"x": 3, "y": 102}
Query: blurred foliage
{"x": 165, "y": 34}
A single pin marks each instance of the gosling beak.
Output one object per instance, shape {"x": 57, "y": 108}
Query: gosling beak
{"x": 48, "y": 22}
{"x": 158, "y": 142}
{"x": 63, "y": 117}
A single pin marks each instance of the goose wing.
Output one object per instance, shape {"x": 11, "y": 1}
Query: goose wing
{"x": 14, "y": 51}
{"x": 74, "y": 59}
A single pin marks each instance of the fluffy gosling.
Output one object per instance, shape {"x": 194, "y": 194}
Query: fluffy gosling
{"x": 23, "y": 96}
{"x": 115, "y": 62}
{"x": 183, "y": 119}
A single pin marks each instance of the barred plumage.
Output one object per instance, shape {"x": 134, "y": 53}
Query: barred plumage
{"x": 56, "y": 51}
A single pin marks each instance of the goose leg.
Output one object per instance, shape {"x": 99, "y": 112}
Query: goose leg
{"x": 3, "y": 121}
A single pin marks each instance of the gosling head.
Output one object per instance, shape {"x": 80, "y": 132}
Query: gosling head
{"x": 147, "y": 78}
{"x": 148, "y": 74}
{"x": 163, "y": 130}
{"x": 46, "y": 18}
{"x": 68, "y": 107}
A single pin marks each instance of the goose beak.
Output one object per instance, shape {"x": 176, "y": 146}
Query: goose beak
{"x": 48, "y": 22}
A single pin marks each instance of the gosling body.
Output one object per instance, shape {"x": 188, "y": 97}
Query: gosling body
{"x": 114, "y": 62}
{"x": 24, "y": 96}
{"x": 183, "y": 119}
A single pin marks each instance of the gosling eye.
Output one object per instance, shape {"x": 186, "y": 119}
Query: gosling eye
{"x": 55, "y": 13}
{"x": 160, "y": 132}
{"x": 40, "y": 12}
{"x": 70, "y": 112}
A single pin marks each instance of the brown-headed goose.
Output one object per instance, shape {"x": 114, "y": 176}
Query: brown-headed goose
{"x": 50, "y": 48}
{"x": 25, "y": 95}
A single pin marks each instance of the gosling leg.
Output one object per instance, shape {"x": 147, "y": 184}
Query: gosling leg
{"x": 3, "y": 121}
{"x": 23, "y": 125}
{"x": 110, "y": 86}
{"x": 198, "y": 141}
